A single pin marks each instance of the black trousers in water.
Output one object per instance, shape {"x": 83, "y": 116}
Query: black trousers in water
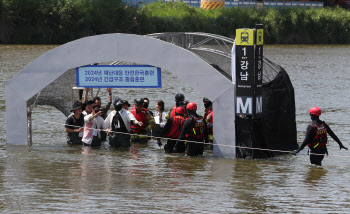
{"x": 117, "y": 140}
{"x": 318, "y": 156}
{"x": 174, "y": 147}
{"x": 195, "y": 149}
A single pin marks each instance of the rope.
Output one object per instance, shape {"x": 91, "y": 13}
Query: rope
{"x": 164, "y": 138}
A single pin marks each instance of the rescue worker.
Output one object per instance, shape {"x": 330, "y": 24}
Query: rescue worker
{"x": 208, "y": 116}
{"x": 172, "y": 129}
{"x": 74, "y": 125}
{"x": 145, "y": 122}
{"x": 316, "y": 138}
{"x": 93, "y": 121}
{"x": 178, "y": 99}
{"x": 119, "y": 121}
{"x": 194, "y": 129}
{"x": 184, "y": 105}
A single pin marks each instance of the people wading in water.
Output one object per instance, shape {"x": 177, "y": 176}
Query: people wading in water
{"x": 316, "y": 137}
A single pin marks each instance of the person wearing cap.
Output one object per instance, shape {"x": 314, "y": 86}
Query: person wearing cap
{"x": 118, "y": 125}
{"x": 172, "y": 129}
{"x": 74, "y": 125}
{"x": 194, "y": 129}
{"x": 178, "y": 99}
{"x": 145, "y": 122}
{"x": 126, "y": 106}
{"x": 93, "y": 122}
{"x": 208, "y": 116}
{"x": 316, "y": 138}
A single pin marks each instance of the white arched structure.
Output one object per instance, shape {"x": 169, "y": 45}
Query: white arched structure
{"x": 129, "y": 48}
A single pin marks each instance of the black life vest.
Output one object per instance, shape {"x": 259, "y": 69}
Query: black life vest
{"x": 320, "y": 139}
{"x": 198, "y": 128}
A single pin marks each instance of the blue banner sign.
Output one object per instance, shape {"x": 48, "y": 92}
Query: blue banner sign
{"x": 119, "y": 76}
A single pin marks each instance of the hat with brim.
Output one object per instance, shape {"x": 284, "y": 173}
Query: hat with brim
{"x": 76, "y": 105}
{"x": 126, "y": 102}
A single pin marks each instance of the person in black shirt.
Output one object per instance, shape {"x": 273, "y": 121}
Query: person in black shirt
{"x": 194, "y": 129}
{"x": 74, "y": 125}
{"x": 172, "y": 129}
{"x": 118, "y": 122}
{"x": 316, "y": 138}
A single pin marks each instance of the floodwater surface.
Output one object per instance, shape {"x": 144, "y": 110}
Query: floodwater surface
{"x": 51, "y": 177}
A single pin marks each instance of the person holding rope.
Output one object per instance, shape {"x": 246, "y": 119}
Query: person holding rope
{"x": 74, "y": 125}
{"x": 172, "y": 129}
{"x": 145, "y": 122}
{"x": 194, "y": 129}
{"x": 93, "y": 122}
{"x": 316, "y": 138}
{"x": 118, "y": 122}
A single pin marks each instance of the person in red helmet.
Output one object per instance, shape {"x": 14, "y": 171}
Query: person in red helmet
{"x": 194, "y": 129}
{"x": 316, "y": 137}
{"x": 178, "y": 99}
{"x": 172, "y": 129}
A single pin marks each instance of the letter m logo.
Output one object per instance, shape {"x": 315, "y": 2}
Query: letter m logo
{"x": 244, "y": 105}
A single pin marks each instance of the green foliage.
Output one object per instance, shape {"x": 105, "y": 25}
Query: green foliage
{"x": 60, "y": 21}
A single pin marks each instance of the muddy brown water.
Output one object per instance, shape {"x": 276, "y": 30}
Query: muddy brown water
{"x": 52, "y": 177}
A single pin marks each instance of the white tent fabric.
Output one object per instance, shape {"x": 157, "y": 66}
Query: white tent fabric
{"x": 129, "y": 48}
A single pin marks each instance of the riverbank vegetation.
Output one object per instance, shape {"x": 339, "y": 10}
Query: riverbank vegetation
{"x": 60, "y": 21}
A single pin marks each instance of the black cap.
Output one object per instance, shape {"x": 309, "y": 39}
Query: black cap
{"x": 179, "y": 97}
{"x": 116, "y": 100}
{"x": 205, "y": 99}
{"x": 126, "y": 102}
{"x": 139, "y": 101}
{"x": 76, "y": 105}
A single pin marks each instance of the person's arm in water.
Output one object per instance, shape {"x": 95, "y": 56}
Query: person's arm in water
{"x": 331, "y": 133}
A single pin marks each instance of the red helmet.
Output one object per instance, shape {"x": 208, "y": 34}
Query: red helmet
{"x": 180, "y": 110}
{"x": 191, "y": 106}
{"x": 315, "y": 111}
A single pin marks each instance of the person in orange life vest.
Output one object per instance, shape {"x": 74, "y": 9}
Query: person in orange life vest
{"x": 194, "y": 129}
{"x": 145, "y": 122}
{"x": 172, "y": 129}
{"x": 208, "y": 116}
{"x": 178, "y": 99}
{"x": 316, "y": 138}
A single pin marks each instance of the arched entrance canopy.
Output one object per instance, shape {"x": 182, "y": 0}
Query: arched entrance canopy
{"x": 129, "y": 48}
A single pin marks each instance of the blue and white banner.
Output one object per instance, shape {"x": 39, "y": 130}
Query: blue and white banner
{"x": 119, "y": 76}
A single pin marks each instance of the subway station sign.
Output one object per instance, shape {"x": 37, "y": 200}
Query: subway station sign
{"x": 248, "y": 70}
{"x": 119, "y": 76}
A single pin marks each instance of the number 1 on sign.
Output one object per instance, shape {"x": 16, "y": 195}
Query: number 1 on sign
{"x": 244, "y": 51}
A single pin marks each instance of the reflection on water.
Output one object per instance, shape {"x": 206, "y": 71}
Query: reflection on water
{"x": 53, "y": 177}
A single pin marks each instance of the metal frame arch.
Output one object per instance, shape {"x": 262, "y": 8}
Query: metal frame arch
{"x": 123, "y": 47}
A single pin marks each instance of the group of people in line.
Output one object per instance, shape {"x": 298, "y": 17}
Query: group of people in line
{"x": 90, "y": 125}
